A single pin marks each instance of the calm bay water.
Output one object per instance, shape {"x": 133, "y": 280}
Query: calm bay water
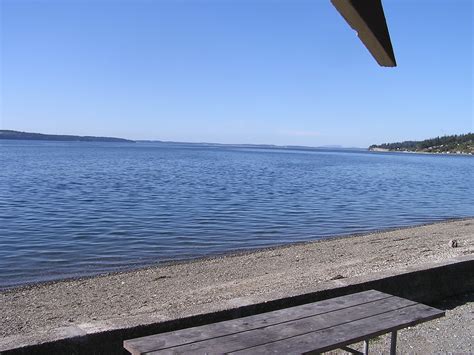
{"x": 70, "y": 209}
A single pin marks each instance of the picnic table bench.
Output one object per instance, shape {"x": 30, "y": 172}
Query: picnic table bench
{"x": 310, "y": 328}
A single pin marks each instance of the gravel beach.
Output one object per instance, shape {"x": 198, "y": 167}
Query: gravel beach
{"x": 452, "y": 334}
{"x": 178, "y": 290}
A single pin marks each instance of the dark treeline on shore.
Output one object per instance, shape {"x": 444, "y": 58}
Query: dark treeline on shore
{"x": 9, "y": 134}
{"x": 458, "y": 143}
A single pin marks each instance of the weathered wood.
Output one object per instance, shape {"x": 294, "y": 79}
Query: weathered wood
{"x": 286, "y": 330}
{"x": 348, "y": 333}
{"x": 315, "y": 327}
{"x": 191, "y": 335}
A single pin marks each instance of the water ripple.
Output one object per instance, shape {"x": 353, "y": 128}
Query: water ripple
{"x": 86, "y": 208}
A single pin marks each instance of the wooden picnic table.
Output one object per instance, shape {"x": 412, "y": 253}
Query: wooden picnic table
{"x": 310, "y": 328}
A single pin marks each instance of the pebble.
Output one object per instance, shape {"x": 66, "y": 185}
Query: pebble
{"x": 453, "y": 243}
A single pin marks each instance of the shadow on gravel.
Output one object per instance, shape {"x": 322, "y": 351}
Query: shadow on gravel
{"x": 453, "y": 302}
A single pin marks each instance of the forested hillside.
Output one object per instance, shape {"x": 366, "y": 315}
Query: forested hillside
{"x": 455, "y": 144}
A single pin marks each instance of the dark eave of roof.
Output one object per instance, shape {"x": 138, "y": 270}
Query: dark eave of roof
{"x": 368, "y": 19}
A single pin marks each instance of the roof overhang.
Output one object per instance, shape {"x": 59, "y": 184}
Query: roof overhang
{"x": 368, "y": 19}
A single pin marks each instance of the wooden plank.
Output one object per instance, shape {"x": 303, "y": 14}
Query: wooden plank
{"x": 191, "y": 335}
{"x": 368, "y": 19}
{"x": 348, "y": 333}
{"x": 288, "y": 330}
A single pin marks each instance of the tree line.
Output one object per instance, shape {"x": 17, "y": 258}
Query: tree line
{"x": 457, "y": 142}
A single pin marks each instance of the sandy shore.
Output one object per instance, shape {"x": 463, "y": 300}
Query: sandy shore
{"x": 183, "y": 289}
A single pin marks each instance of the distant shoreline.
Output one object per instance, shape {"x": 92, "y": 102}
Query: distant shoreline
{"x": 454, "y": 144}
{"x": 382, "y": 150}
{"x": 17, "y": 135}
{"x": 28, "y": 136}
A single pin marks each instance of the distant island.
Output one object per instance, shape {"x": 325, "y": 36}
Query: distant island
{"x": 17, "y": 135}
{"x": 9, "y": 134}
{"x": 256, "y": 146}
{"x": 455, "y": 144}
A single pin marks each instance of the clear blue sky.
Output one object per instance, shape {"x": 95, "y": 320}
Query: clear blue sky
{"x": 234, "y": 71}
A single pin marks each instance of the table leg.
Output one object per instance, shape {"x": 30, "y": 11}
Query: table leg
{"x": 366, "y": 347}
{"x": 393, "y": 344}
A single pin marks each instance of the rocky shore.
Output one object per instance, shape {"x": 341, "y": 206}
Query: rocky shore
{"x": 178, "y": 290}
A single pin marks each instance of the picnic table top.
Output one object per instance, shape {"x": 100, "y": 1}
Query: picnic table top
{"x": 319, "y": 326}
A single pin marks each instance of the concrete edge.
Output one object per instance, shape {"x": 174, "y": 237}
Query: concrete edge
{"x": 427, "y": 283}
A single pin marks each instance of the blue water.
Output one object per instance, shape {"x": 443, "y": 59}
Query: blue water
{"x": 70, "y": 209}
